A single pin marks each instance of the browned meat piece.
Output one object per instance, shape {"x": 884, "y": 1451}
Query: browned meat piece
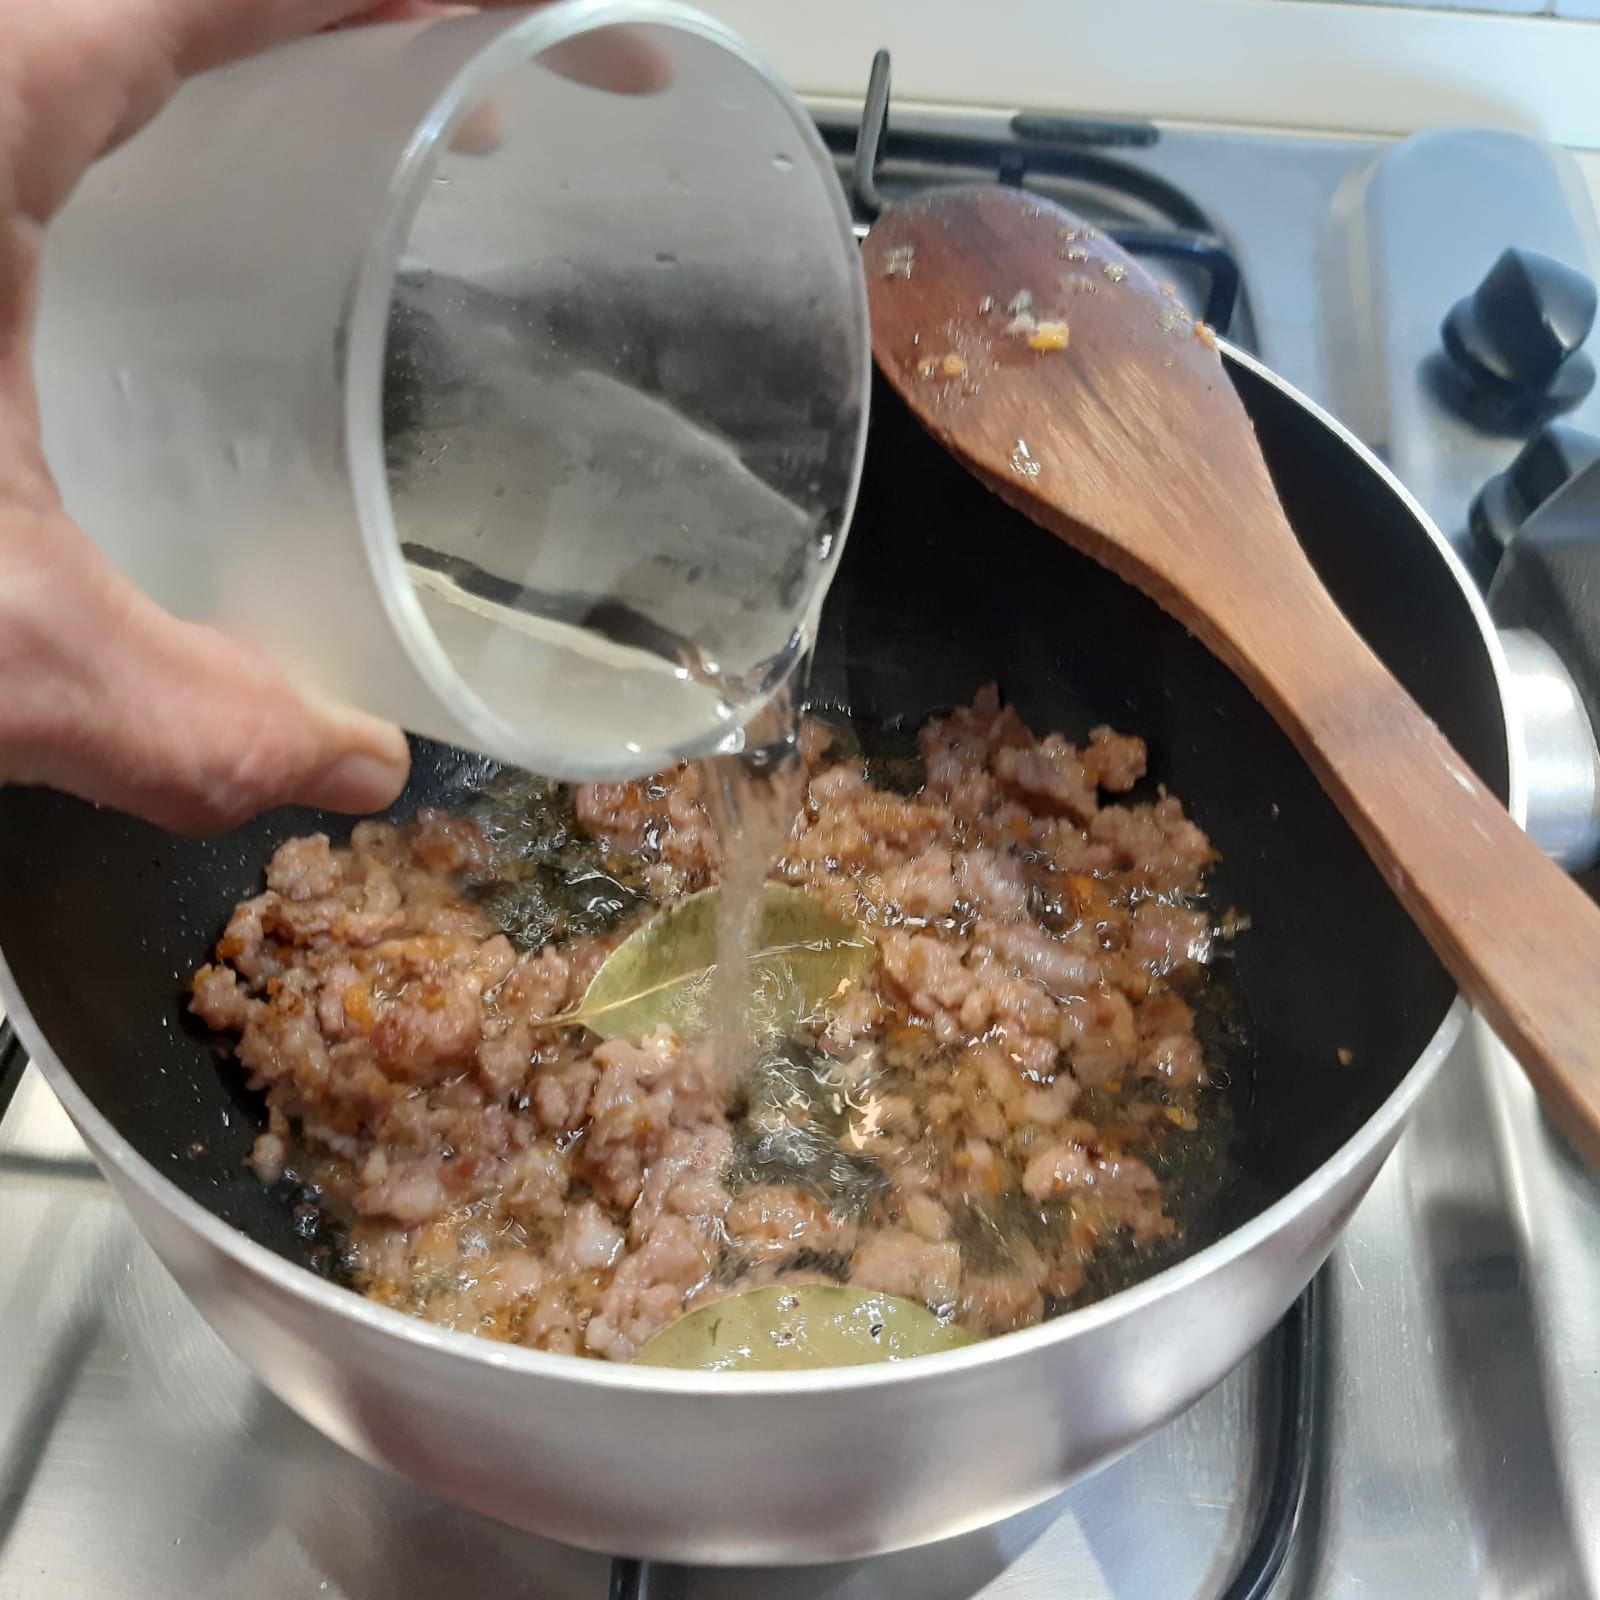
{"x": 685, "y": 1177}
{"x": 816, "y": 740}
{"x": 852, "y": 828}
{"x": 960, "y": 777}
{"x": 957, "y": 751}
{"x": 1044, "y": 1108}
{"x": 925, "y": 888}
{"x": 1168, "y": 939}
{"x": 1158, "y": 844}
{"x": 269, "y": 1155}
{"x": 427, "y": 1039}
{"x": 504, "y": 1057}
{"x": 278, "y": 1047}
{"x": 1063, "y": 966}
{"x": 534, "y": 1184}
{"x": 445, "y": 844}
{"x": 688, "y": 842}
{"x": 219, "y": 1001}
{"x": 924, "y": 1215}
{"x": 378, "y": 844}
{"x": 1098, "y": 1035}
{"x": 779, "y": 1220}
{"x": 540, "y": 986}
{"x": 1000, "y": 1302}
{"x": 304, "y": 869}
{"x": 649, "y": 1288}
{"x": 619, "y": 813}
{"x": 1113, "y": 761}
{"x": 561, "y": 1094}
{"x": 644, "y": 1091}
{"x": 901, "y": 1263}
{"x": 994, "y": 883}
{"x": 1061, "y": 1167}
{"x": 244, "y": 941}
{"x": 976, "y": 733}
{"x": 408, "y": 1191}
{"x": 557, "y": 1322}
{"x": 968, "y": 1001}
{"x": 928, "y": 972}
{"x": 1167, "y": 1046}
{"x": 1050, "y": 778}
{"x": 590, "y": 1241}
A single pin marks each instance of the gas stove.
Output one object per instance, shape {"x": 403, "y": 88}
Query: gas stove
{"x": 1426, "y": 1421}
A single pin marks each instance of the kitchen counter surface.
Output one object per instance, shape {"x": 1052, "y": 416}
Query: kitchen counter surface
{"x": 1295, "y": 64}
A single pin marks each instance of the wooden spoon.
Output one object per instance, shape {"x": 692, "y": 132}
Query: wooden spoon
{"x": 1083, "y": 394}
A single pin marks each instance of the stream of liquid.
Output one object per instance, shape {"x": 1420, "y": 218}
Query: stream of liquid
{"x": 751, "y": 798}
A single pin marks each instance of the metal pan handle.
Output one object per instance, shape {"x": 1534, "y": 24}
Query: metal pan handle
{"x": 1545, "y": 597}
{"x": 13, "y": 1063}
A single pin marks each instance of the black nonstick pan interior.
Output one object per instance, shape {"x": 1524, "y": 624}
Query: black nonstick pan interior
{"x": 941, "y": 589}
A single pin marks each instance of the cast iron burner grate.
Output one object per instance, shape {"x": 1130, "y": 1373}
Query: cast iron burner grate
{"x": 1060, "y": 158}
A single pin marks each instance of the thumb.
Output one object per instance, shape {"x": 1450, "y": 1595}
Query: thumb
{"x": 106, "y": 696}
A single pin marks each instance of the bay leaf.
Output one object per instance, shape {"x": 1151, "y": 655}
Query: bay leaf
{"x": 802, "y": 955}
{"x": 780, "y": 1329}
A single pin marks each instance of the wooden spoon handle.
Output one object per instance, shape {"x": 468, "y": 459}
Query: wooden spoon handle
{"x": 1517, "y": 934}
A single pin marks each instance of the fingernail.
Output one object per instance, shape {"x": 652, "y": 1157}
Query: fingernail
{"x": 357, "y": 782}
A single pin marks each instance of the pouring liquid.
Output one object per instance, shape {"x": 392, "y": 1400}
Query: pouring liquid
{"x": 751, "y": 798}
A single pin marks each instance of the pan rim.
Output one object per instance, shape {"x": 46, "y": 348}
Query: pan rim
{"x": 255, "y": 1259}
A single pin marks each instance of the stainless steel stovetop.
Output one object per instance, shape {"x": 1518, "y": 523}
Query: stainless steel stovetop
{"x": 1427, "y": 1424}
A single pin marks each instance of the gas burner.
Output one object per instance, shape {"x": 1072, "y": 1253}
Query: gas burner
{"x": 1057, "y": 157}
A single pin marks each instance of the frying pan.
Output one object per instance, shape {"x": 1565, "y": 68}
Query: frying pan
{"x": 1342, "y": 1015}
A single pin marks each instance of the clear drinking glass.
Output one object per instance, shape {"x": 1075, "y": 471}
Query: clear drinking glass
{"x": 504, "y": 375}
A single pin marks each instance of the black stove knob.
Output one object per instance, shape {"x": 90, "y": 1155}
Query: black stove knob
{"x": 1516, "y": 338}
{"x": 1549, "y": 460}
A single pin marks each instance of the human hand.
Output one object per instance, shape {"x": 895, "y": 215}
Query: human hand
{"x": 102, "y": 693}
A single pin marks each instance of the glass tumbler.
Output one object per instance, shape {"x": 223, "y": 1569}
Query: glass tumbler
{"x": 504, "y": 375}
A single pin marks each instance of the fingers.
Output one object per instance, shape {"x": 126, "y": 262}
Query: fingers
{"x": 110, "y": 699}
{"x": 621, "y": 59}
{"x": 618, "y": 60}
